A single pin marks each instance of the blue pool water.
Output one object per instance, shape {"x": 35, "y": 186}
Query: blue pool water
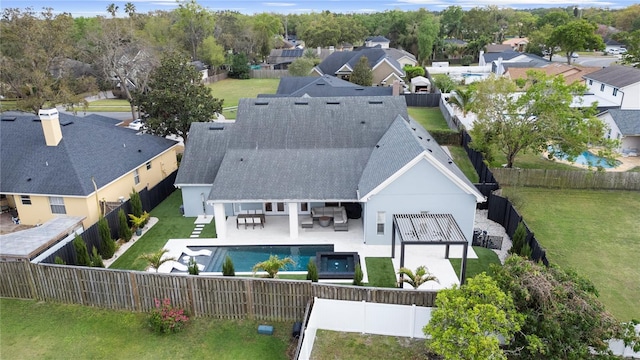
{"x": 245, "y": 257}
{"x": 587, "y": 158}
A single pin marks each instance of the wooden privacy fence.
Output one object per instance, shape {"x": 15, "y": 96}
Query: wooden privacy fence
{"x": 268, "y": 74}
{"x": 220, "y": 297}
{"x": 568, "y": 179}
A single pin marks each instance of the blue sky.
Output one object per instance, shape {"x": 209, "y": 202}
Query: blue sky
{"x": 98, "y": 7}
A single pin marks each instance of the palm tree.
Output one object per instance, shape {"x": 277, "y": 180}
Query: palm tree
{"x": 112, "y": 9}
{"x": 463, "y": 99}
{"x": 156, "y": 259}
{"x": 130, "y": 9}
{"x": 421, "y": 276}
{"x": 273, "y": 265}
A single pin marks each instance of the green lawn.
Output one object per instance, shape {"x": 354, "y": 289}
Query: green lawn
{"x": 6, "y": 105}
{"x": 429, "y": 118}
{"x": 232, "y": 90}
{"x": 36, "y": 330}
{"x": 460, "y": 157}
{"x": 486, "y": 257}
{"x": 341, "y": 345}
{"x": 380, "y": 272}
{"x": 171, "y": 225}
{"x": 597, "y": 233}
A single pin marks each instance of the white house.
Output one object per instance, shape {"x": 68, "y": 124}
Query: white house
{"x": 617, "y": 85}
{"x": 624, "y": 125}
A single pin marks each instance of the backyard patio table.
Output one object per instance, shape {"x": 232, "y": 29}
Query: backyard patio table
{"x": 324, "y": 221}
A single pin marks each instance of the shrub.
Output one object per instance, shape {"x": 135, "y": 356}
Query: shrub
{"x": 58, "y": 260}
{"x": 82, "y": 255}
{"x": 124, "y": 230}
{"x": 136, "y": 203}
{"x": 96, "y": 259}
{"x": 519, "y": 237}
{"x": 312, "y": 271}
{"x": 526, "y": 251}
{"x": 193, "y": 267}
{"x": 227, "y": 267}
{"x": 107, "y": 245}
{"x": 357, "y": 275}
{"x": 444, "y": 83}
{"x": 165, "y": 319}
{"x": 466, "y": 60}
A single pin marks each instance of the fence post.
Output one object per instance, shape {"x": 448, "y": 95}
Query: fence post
{"x": 250, "y": 310}
{"x": 134, "y": 292}
{"x": 32, "y": 281}
{"x": 192, "y": 295}
{"x": 82, "y": 294}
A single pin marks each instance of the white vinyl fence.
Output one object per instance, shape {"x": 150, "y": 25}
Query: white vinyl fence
{"x": 365, "y": 318}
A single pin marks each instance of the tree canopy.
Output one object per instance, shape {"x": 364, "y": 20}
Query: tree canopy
{"x": 531, "y": 121}
{"x": 576, "y": 36}
{"x": 176, "y": 98}
{"x": 362, "y": 74}
{"x": 466, "y": 321}
{"x": 301, "y": 67}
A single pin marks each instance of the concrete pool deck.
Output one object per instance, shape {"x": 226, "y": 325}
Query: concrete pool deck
{"x": 276, "y": 232}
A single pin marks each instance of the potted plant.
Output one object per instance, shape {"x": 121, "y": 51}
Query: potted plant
{"x": 139, "y": 222}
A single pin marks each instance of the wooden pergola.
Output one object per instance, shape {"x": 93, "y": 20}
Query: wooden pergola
{"x": 428, "y": 229}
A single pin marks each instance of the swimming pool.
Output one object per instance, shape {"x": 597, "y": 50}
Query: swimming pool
{"x": 245, "y": 257}
{"x": 589, "y": 159}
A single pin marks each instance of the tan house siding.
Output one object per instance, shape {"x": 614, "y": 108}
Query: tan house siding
{"x": 382, "y": 72}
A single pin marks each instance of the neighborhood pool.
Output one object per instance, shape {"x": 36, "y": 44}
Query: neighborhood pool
{"x": 245, "y": 257}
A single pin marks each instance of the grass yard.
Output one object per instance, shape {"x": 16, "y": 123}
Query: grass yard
{"x": 354, "y": 346}
{"x": 380, "y": 272}
{"x": 429, "y": 118}
{"x": 486, "y": 257}
{"x": 32, "y": 330}
{"x": 459, "y": 155}
{"x": 232, "y": 90}
{"x": 171, "y": 225}
{"x": 597, "y": 233}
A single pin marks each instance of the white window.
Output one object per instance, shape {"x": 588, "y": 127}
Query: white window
{"x": 136, "y": 177}
{"x": 615, "y": 92}
{"x": 380, "y": 222}
{"x": 26, "y": 199}
{"x": 57, "y": 205}
{"x": 149, "y": 165}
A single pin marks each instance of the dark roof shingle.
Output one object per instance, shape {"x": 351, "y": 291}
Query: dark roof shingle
{"x": 616, "y": 75}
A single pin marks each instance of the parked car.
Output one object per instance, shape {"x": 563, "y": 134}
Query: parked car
{"x": 136, "y": 125}
{"x": 614, "y": 51}
{"x": 575, "y": 55}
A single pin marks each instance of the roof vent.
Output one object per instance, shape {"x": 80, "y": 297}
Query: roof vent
{"x": 363, "y": 122}
{"x": 414, "y": 129}
{"x": 430, "y": 150}
{"x": 450, "y": 162}
{"x": 8, "y": 118}
{"x": 375, "y": 102}
{"x": 216, "y": 127}
{"x": 420, "y": 137}
{"x": 139, "y": 150}
{"x": 377, "y": 146}
{"x": 333, "y": 102}
{"x": 261, "y": 103}
{"x": 428, "y": 139}
{"x": 359, "y": 89}
{"x": 301, "y": 103}
{"x": 36, "y": 119}
{"x": 65, "y": 122}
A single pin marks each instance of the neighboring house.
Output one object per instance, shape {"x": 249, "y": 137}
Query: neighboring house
{"x": 502, "y": 61}
{"x": 612, "y": 46}
{"x": 498, "y": 48}
{"x": 63, "y": 164}
{"x": 374, "y": 41}
{"x": 202, "y": 68}
{"x": 517, "y": 44}
{"x": 324, "y": 86}
{"x": 624, "y": 125}
{"x": 386, "y": 64}
{"x": 287, "y": 156}
{"x": 282, "y": 58}
{"x": 615, "y": 85}
{"x": 570, "y": 73}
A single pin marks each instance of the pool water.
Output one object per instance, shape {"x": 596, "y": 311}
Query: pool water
{"x": 589, "y": 159}
{"x": 245, "y": 257}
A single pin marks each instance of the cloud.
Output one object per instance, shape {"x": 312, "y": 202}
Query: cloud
{"x": 278, "y": 4}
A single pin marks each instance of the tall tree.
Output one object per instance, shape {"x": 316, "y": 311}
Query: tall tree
{"x": 82, "y": 254}
{"x": 113, "y": 9}
{"x": 107, "y": 245}
{"x": 322, "y": 30}
{"x": 195, "y": 23}
{"x": 34, "y": 48}
{"x": 575, "y": 36}
{"x": 176, "y": 98}
{"x": 211, "y": 53}
{"x": 541, "y": 116}
{"x": 463, "y": 99}
{"x": 466, "y": 320}
{"x": 428, "y": 33}
{"x": 362, "y": 74}
{"x": 632, "y": 56}
{"x": 451, "y": 22}
{"x": 130, "y": 9}
{"x": 265, "y": 27}
{"x": 564, "y": 318}
{"x": 301, "y": 67}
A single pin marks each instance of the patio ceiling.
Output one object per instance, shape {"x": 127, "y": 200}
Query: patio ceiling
{"x": 428, "y": 228}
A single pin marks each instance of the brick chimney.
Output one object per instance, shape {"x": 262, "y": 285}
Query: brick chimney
{"x": 50, "y": 126}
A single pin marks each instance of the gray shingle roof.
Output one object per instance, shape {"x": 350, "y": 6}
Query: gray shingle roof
{"x": 378, "y": 38}
{"x": 338, "y": 59}
{"x": 87, "y": 149}
{"x": 203, "y": 153}
{"x": 628, "y": 121}
{"x": 616, "y": 75}
{"x": 325, "y": 86}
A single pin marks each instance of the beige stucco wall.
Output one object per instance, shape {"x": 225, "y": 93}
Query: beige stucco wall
{"x": 382, "y": 72}
{"x": 40, "y": 210}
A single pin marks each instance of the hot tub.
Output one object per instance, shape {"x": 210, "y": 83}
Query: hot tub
{"x": 336, "y": 265}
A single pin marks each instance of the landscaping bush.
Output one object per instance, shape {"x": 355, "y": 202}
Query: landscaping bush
{"x": 193, "y": 267}
{"x": 466, "y": 60}
{"x": 165, "y": 318}
{"x": 312, "y": 271}
{"x": 136, "y": 203}
{"x": 107, "y": 245}
{"x": 58, "y": 260}
{"x": 358, "y": 275}
{"x": 227, "y": 267}
{"x": 96, "y": 259}
{"x": 447, "y": 137}
{"x": 124, "y": 230}
{"x": 82, "y": 255}
{"x": 519, "y": 237}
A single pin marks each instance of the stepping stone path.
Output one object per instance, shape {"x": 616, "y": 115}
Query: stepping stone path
{"x": 196, "y": 232}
